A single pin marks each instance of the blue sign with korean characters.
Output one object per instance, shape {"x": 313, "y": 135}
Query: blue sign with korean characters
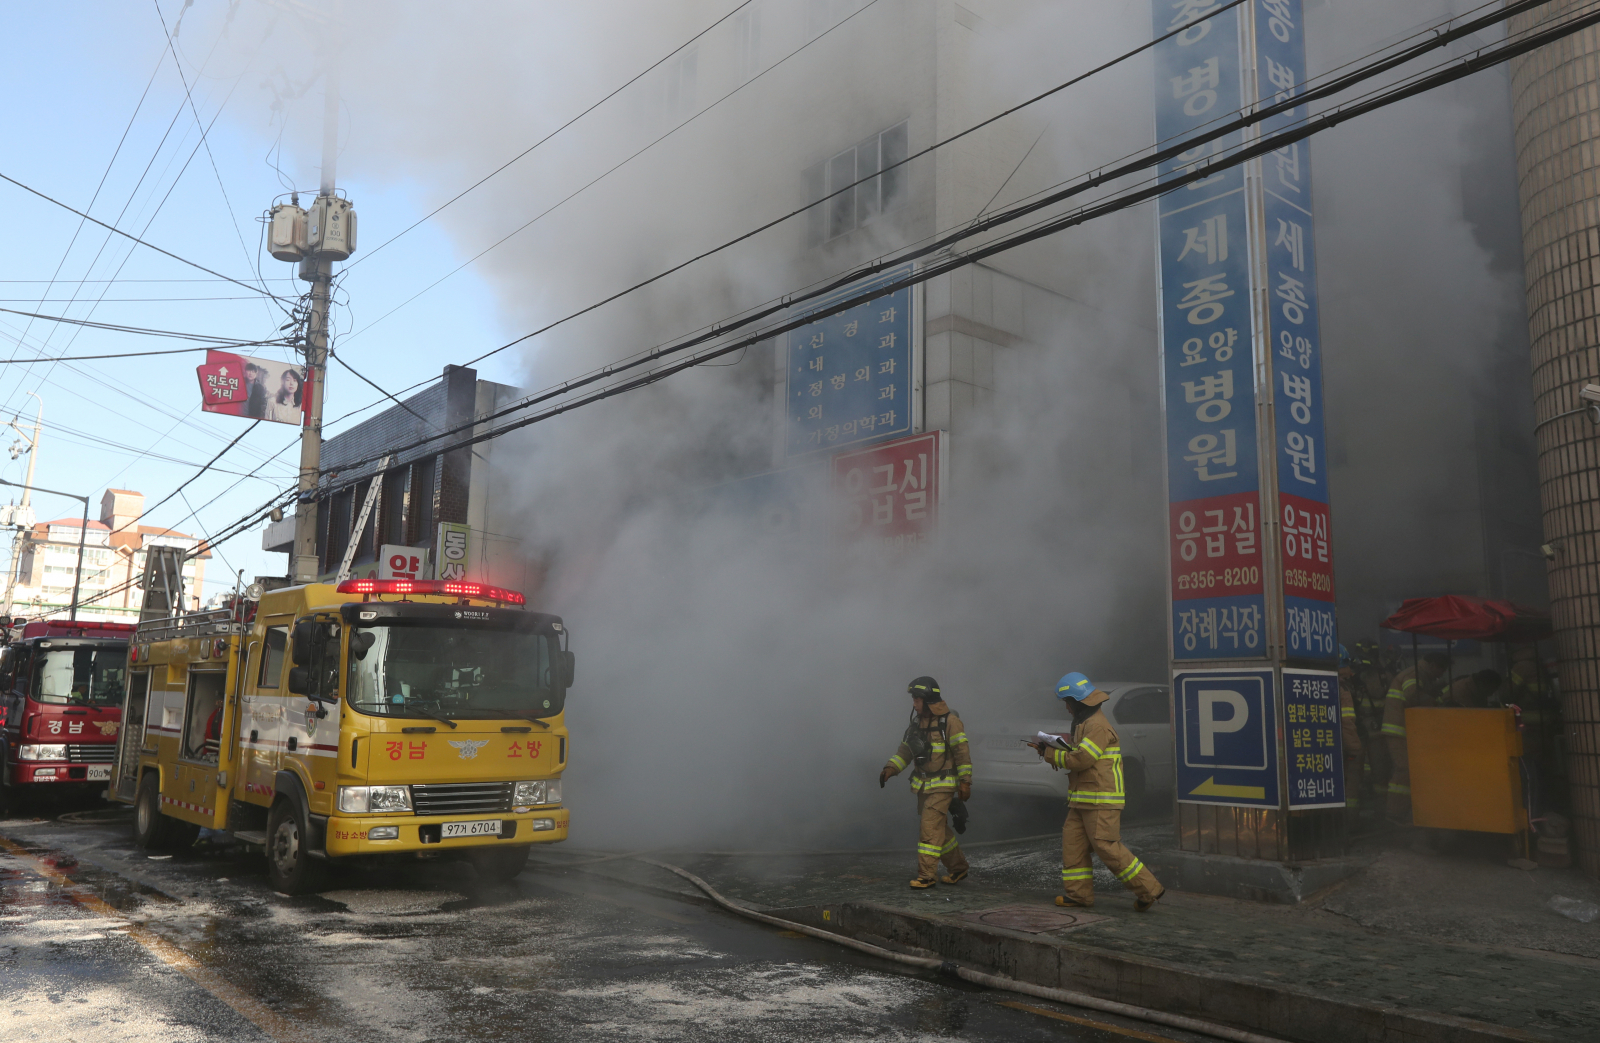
{"x": 1227, "y": 734}
{"x": 1302, "y": 459}
{"x": 849, "y": 374}
{"x": 1213, "y": 481}
{"x": 1312, "y": 740}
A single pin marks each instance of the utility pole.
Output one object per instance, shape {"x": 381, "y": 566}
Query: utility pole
{"x": 20, "y": 517}
{"x": 317, "y": 268}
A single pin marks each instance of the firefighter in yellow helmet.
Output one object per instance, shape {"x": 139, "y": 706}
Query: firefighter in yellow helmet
{"x": 935, "y": 745}
{"x": 1095, "y": 800}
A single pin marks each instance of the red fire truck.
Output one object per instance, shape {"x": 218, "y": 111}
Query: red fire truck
{"x": 61, "y": 687}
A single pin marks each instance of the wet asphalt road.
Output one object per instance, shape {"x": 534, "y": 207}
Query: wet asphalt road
{"x": 99, "y": 941}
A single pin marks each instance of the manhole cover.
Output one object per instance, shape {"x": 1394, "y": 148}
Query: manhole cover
{"x": 1032, "y": 919}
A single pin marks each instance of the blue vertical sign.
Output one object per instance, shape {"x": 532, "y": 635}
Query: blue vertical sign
{"x": 1227, "y": 737}
{"x": 1313, "y": 748}
{"x": 849, "y": 375}
{"x": 1302, "y": 459}
{"x": 1213, "y": 479}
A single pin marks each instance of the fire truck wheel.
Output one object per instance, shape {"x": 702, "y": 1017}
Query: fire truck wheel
{"x": 501, "y": 865}
{"x": 151, "y": 829}
{"x": 290, "y": 867}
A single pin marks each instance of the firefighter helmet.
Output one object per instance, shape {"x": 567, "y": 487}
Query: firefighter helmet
{"x": 1074, "y": 686}
{"x": 924, "y": 687}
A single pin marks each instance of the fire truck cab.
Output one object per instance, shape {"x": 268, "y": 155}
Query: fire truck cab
{"x": 61, "y": 693}
{"x": 375, "y": 719}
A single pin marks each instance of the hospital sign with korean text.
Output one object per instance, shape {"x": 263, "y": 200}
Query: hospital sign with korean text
{"x": 1213, "y": 481}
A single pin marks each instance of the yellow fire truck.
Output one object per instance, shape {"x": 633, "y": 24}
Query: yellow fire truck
{"x": 329, "y": 723}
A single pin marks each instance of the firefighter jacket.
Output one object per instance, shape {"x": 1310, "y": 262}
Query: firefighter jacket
{"x": 1351, "y": 730}
{"x": 1094, "y": 767}
{"x": 949, "y": 760}
{"x": 1406, "y": 690}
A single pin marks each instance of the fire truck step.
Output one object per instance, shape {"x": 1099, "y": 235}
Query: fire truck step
{"x": 251, "y": 836}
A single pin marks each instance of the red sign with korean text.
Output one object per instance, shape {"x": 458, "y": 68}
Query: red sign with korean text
{"x": 891, "y": 491}
{"x": 257, "y": 389}
{"x": 1307, "y": 549}
{"x": 1216, "y": 546}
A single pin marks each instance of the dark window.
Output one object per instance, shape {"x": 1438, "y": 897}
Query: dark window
{"x": 338, "y": 526}
{"x": 202, "y": 731}
{"x": 1143, "y": 706}
{"x": 422, "y": 481}
{"x": 366, "y": 539}
{"x": 394, "y": 506}
{"x": 272, "y": 657}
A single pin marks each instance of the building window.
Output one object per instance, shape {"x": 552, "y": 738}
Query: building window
{"x": 679, "y": 91}
{"x": 338, "y": 527}
{"x": 394, "y": 506}
{"x": 880, "y": 192}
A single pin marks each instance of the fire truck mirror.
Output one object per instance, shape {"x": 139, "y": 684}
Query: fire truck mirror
{"x": 361, "y": 643}
{"x": 307, "y": 635}
{"x": 300, "y": 679}
{"x": 568, "y": 664}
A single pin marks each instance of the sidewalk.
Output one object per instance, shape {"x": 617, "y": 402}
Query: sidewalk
{"x": 1418, "y": 946}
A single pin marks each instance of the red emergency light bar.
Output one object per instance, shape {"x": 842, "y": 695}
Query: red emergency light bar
{"x": 448, "y": 588}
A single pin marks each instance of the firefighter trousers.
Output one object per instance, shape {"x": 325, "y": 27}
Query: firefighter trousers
{"x": 1399, "y": 803}
{"x": 936, "y": 841}
{"x": 1099, "y": 830}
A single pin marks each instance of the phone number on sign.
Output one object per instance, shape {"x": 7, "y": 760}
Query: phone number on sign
{"x": 1300, "y": 579}
{"x": 1205, "y": 579}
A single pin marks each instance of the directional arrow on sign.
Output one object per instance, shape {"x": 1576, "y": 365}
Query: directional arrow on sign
{"x": 1209, "y": 788}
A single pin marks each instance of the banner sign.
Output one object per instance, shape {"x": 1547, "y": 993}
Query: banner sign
{"x": 1312, "y": 739}
{"x": 1227, "y": 737}
{"x": 849, "y": 375}
{"x": 891, "y": 491}
{"x": 454, "y": 551}
{"x": 1291, "y": 272}
{"x": 258, "y": 389}
{"x": 1213, "y": 482}
{"x": 396, "y": 562}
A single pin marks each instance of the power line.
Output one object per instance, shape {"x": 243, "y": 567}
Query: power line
{"x": 197, "y": 474}
{"x": 1309, "y": 125}
{"x": 590, "y": 184}
{"x": 126, "y": 235}
{"x": 142, "y": 330}
{"x": 497, "y": 170}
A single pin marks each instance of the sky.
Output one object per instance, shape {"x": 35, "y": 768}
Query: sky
{"x": 116, "y": 109}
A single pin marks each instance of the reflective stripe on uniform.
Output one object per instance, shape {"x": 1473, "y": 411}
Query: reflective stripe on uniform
{"x": 1395, "y": 729}
{"x": 931, "y": 850}
{"x": 922, "y": 785}
{"x": 949, "y": 846}
{"x": 936, "y": 747}
{"x": 897, "y": 762}
{"x": 963, "y": 770}
{"x": 1089, "y": 796}
{"x": 1347, "y": 711}
{"x": 1395, "y": 787}
{"x": 958, "y": 738}
{"x": 1059, "y": 758}
{"x": 1077, "y": 873}
{"x": 1092, "y": 748}
{"x": 1130, "y": 872}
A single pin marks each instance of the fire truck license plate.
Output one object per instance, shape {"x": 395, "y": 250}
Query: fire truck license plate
{"x": 100, "y": 773}
{"x": 484, "y": 828}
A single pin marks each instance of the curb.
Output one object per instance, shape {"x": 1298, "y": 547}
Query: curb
{"x": 1303, "y": 1015}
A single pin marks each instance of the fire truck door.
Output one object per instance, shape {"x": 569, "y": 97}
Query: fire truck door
{"x": 261, "y": 730}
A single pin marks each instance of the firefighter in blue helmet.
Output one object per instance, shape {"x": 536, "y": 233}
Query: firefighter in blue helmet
{"x": 1095, "y": 800}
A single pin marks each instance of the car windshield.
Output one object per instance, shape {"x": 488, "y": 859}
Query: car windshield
{"x": 80, "y": 676}
{"x": 453, "y": 672}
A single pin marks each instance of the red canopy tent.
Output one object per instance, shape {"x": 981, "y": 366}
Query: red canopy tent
{"x": 1457, "y": 617}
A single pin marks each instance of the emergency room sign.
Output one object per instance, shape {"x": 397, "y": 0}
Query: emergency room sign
{"x": 891, "y": 491}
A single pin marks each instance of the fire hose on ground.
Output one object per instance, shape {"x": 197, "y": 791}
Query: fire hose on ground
{"x": 993, "y": 981}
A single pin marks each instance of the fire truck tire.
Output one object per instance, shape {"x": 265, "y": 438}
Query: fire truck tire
{"x": 500, "y": 865}
{"x": 152, "y": 829}
{"x": 290, "y": 867}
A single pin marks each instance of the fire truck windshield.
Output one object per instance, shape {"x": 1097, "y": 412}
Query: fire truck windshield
{"x": 91, "y": 676}
{"x": 396, "y": 671}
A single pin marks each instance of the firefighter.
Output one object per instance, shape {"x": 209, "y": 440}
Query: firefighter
{"x": 935, "y": 745}
{"x": 1095, "y": 799}
{"x": 1417, "y": 686}
{"x": 1350, "y": 732}
{"x": 1474, "y": 690}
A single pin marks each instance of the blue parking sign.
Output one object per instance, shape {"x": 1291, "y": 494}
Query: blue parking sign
{"x": 1227, "y": 733}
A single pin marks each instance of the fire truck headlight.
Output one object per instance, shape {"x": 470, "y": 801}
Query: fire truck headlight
{"x": 390, "y": 798}
{"x": 42, "y": 753}
{"x": 359, "y": 799}
{"x": 541, "y": 792}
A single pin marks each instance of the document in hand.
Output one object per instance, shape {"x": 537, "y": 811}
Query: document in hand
{"x": 1055, "y": 742}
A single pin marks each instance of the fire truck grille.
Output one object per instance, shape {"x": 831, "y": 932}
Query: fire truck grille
{"x": 91, "y": 753}
{"x": 461, "y": 798}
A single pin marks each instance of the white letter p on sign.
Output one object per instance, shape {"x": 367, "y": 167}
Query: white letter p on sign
{"x": 1210, "y": 727}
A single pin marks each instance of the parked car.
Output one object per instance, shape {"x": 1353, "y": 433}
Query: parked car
{"x": 1140, "y": 711}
